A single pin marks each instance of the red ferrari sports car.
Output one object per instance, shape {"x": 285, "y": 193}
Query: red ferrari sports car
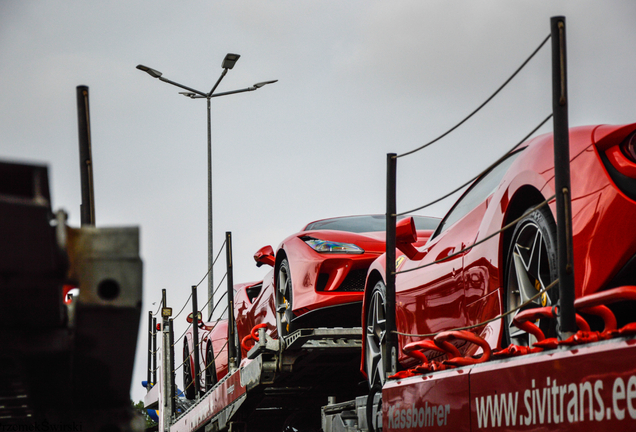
{"x": 503, "y": 272}
{"x": 318, "y": 274}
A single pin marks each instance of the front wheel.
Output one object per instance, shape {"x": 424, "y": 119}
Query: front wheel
{"x": 375, "y": 340}
{"x": 284, "y": 314}
{"x": 531, "y": 266}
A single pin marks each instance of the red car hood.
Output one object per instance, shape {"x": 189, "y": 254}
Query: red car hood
{"x": 370, "y": 242}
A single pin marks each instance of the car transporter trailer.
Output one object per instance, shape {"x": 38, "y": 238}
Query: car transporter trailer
{"x": 310, "y": 380}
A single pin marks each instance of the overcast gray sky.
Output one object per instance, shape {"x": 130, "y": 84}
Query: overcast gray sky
{"x": 357, "y": 80}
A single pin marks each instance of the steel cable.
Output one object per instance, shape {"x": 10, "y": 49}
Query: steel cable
{"x": 160, "y": 304}
{"x": 213, "y": 262}
{"x": 184, "y": 333}
{"x": 190, "y": 325}
{"x": 186, "y": 303}
{"x": 491, "y": 166}
{"x": 213, "y": 309}
{"x": 215, "y": 290}
{"x": 482, "y": 105}
{"x": 182, "y": 363}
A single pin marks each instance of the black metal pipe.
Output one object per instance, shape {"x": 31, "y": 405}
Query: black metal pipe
{"x": 195, "y": 340}
{"x": 150, "y": 333}
{"x": 231, "y": 346}
{"x": 87, "y": 207}
{"x": 390, "y": 357}
{"x": 567, "y": 320}
{"x": 154, "y": 351}
{"x": 173, "y": 390}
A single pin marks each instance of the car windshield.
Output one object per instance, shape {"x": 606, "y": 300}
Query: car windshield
{"x": 369, "y": 223}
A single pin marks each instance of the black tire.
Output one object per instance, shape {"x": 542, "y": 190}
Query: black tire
{"x": 210, "y": 368}
{"x": 188, "y": 383}
{"x": 375, "y": 339}
{"x": 371, "y": 418}
{"x": 531, "y": 265}
{"x": 284, "y": 293}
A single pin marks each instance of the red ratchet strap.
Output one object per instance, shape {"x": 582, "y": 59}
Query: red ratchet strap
{"x": 593, "y": 304}
{"x": 515, "y": 350}
{"x": 523, "y": 321}
{"x": 596, "y": 304}
{"x": 413, "y": 350}
{"x": 441, "y": 344}
{"x": 609, "y": 320}
{"x": 252, "y": 336}
{"x": 606, "y": 297}
{"x": 442, "y": 339}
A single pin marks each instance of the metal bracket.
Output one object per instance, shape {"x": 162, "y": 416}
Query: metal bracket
{"x": 265, "y": 344}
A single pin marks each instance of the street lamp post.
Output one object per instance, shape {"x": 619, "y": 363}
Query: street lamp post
{"x": 228, "y": 63}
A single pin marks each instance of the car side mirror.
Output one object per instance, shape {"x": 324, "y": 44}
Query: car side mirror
{"x": 265, "y": 255}
{"x": 190, "y": 318}
{"x": 405, "y": 236}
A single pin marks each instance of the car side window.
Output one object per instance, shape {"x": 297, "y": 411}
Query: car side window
{"x": 477, "y": 193}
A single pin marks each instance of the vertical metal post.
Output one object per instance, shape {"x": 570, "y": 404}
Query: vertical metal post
{"x": 567, "y": 320}
{"x": 195, "y": 341}
{"x": 173, "y": 390}
{"x": 390, "y": 358}
{"x": 166, "y": 370}
{"x": 87, "y": 207}
{"x": 210, "y": 222}
{"x": 154, "y": 351}
{"x": 231, "y": 347}
{"x": 151, "y": 331}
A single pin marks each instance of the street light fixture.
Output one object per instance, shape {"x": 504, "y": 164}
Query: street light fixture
{"x": 230, "y": 60}
{"x": 228, "y": 63}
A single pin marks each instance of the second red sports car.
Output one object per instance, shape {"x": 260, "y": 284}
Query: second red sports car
{"x": 318, "y": 274}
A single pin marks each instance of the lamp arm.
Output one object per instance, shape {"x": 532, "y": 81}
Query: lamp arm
{"x": 234, "y": 91}
{"x": 182, "y": 86}
{"x": 217, "y": 83}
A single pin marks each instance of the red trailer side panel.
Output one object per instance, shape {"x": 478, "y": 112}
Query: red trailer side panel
{"x": 429, "y": 402}
{"x": 587, "y": 388}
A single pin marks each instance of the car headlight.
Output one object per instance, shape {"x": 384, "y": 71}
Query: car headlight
{"x": 327, "y": 246}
